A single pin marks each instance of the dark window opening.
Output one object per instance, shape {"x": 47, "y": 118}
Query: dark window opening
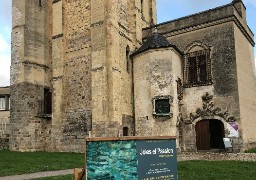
{"x": 198, "y": 68}
{"x": 202, "y": 68}
{"x": 162, "y": 106}
{"x": 125, "y": 131}
{"x": 47, "y": 102}
{"x": 142, "y": 7}
{"x": 127, "y": 58}
{"x": 192, "y": 79}
{"x": 40, "y": 3}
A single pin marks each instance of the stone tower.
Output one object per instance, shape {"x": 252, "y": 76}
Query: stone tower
{"x": 31, "y": 73}
{"x": 71, "y": 74}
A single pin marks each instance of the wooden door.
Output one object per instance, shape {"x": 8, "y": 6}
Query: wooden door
{"x": 202, "y": 135}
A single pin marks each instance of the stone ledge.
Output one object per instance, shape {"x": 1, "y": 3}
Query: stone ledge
{"x": 209, "y": 156}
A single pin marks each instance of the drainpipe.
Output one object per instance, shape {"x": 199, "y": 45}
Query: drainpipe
{"x": 133, "y": 98}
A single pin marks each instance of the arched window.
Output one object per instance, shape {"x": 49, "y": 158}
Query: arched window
{"x": 197, "y": 65}
{"x": 127, "y": 58}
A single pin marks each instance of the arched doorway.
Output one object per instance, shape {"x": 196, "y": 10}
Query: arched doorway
{"x": 209, "y": 134}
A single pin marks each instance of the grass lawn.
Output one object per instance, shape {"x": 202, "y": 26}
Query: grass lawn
{"x": 20, "y": 163}
{"x": 217, "y": 170}
{"x": 28, "y": 162}
{"x": 204, "y": 170}
{"x": 251, "y": 150}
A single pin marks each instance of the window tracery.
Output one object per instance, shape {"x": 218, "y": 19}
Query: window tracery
{"x": 197, "y": 65}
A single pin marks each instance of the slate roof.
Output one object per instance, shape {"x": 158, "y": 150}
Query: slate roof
{"x": 155, "y": 41}
{"x": 235, "y": 1}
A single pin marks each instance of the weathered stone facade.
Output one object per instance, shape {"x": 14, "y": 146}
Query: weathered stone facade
{"x": 77, "y": 51}
{"x": 4, "y": 117}
{"x": 232, "y": 85}
{"x": 81, "y": 68}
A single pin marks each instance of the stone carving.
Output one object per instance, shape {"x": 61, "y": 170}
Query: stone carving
{"x": 160, "y": 75}
{"x": 179, "y": 89}
{"x": 196, "y": 43}
{"x": 209, "y": 111}
{"x": 180, "y": 120}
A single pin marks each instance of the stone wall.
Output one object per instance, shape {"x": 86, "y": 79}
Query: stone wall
{"x": 4, "y": 123}
{"x": 246, "y": 88}
{"x": 30, "y": 74}
{"x": 224, "y": 77}
{"x": 78, "y": 50}
{"x": 27, "y": 132}
{"x": 222, "y": 32}
{"x": 4, "y": 143}
{"x": 224, "y": 88}
{"x": 155, "y": 73}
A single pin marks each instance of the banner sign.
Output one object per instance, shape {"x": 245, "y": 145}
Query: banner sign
{"x": 137, "y": 159}
{"x": 233, "y": 129}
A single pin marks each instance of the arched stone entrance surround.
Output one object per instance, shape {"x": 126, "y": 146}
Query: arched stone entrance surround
{"x": 187, "y": 126}
{"x": 190, "y": 134}
{"x": 209, "y": 133}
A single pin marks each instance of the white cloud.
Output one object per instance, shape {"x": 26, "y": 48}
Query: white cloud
{"x": 5, "y": 59}
{"x": 8, "y": 31}
{"x": 5, "y": 63}
{"x": 4, "y": 45}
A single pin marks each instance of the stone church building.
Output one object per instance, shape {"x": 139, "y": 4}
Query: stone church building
{"x": 105, "y": 68}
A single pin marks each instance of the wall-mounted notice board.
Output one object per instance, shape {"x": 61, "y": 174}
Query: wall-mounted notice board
{"x": 131, "y": 158}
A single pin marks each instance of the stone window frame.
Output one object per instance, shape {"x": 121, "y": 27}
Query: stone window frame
{"x": 6, "y": 103}
{"x": 205, "y": 50}
{"x": 2, "y": 103}
{"x": 45, "y": 104}
{"x": 155, "y": 114}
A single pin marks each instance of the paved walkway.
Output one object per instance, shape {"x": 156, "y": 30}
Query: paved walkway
{"x": 38, "y": 175}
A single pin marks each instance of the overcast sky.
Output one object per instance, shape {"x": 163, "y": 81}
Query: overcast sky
{"x": 167, "y": 10}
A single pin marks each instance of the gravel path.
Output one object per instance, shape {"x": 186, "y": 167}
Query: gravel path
{"x": 38, "y": 175}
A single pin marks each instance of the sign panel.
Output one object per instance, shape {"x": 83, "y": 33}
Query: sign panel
{"x": 233, "y": 129}
{"x": 133, "y": 159}
{"x": 157, "y": 159}
{"x": 227, "y": 143}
